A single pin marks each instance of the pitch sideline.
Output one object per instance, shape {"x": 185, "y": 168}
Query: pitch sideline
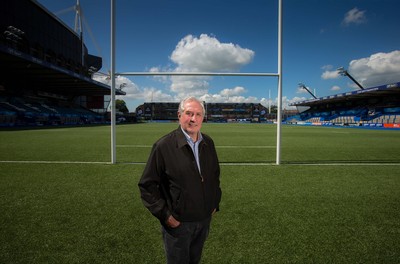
{"x": 221, "y": 163}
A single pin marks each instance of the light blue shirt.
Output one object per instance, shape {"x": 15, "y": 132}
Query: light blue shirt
{"x": 194, "y": 146}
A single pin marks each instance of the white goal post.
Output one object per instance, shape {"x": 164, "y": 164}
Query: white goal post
{"x": 113, "y": 74}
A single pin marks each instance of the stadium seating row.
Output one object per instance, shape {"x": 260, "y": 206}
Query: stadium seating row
{"x": 351, "y": 116}
{"x": 15, "y": 111}
{"x": 383, "y": 119}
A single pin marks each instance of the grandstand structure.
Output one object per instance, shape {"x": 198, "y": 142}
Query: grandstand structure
{"x": 46, "y": 70}
{"x": 377, "y": 106}
{"x": 215, "y": 112}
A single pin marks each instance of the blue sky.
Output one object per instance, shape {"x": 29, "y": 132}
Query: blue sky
{"x": 241, "y": 36}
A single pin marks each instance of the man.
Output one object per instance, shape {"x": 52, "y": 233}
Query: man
{"x": 180, "y": 184}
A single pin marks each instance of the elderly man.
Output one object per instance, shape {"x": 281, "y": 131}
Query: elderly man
{"x": 180, "y": 184}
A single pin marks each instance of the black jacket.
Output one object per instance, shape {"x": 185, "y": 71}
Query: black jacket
{"x": 171, "y": 182}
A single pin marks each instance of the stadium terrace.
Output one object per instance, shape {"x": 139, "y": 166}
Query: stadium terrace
{"x": 372, "y": 107}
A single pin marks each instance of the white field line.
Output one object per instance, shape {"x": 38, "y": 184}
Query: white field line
{"x": 54, "y": 162}
{"x": 221, "y": 163}
{"x": 249, "y": 147}
{"x": 133, "y": 146}
{"x": 343, "y": 164}
{"x": 307, "y": 164}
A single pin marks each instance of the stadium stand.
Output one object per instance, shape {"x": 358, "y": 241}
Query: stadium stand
{"x": 215, "y": 112}
{"x": 46, "y": 71}
{"x": 372, "y": 107}
{"x": 16, "y": 111}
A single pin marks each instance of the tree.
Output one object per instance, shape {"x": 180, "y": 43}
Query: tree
{"x": 274, "y": 109}
{"x": 120, "y": 106}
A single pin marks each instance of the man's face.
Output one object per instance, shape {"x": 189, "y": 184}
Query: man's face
{"x": 191, "y": 119}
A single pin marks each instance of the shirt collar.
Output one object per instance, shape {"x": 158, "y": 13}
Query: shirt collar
{"x": 189, "y": 139}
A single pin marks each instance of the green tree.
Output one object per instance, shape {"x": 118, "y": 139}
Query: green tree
{"x": 274, "y": 109}
{"x": 120, "y": 106}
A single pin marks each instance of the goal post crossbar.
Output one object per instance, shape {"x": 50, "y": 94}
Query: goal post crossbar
{"x": 251, "y": 74}
{"x": 113, "y": 74}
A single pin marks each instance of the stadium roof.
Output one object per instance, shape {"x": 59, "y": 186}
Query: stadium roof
{"x": 387, "y": 90}
{"x": 20, "y": 69}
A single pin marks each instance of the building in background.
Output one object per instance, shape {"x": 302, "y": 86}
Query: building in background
{"x": 215, "y": 112}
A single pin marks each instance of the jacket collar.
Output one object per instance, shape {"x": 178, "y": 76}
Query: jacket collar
{"x": 181, "y": 138}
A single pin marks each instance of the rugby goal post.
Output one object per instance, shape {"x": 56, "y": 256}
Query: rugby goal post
{"x": 278, "y": 74}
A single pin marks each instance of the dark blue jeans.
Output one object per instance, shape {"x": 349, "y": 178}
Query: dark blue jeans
{"x": 184, "y": 244}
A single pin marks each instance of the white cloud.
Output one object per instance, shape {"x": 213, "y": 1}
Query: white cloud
{"x": 204, "y": 54}
{"x": 335, "y": 88}
{"x": 354, "y": 16}
{"x": 227, "y": 95}
{"x": 121, "y": 82}
{"x": 286, "y": 102}
{"x": 233, "y": 92}
{"x": 160, "y": 78}
{"x": 330, "y": 75}
{"x": 377, "y": 69}
{"x": 185, "y": 85}
{"x": 154, "y": 95}
{"x": 301, "y": 90}
{"x": 133, "y": 91}
{"x": 209, "y": 54}
{"x": 297, "y": 99}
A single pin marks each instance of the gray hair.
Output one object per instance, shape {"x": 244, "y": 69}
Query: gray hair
{"x": 181, "y": 108}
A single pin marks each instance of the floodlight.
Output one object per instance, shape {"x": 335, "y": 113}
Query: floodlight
{"x": 301, "y": 85}
{"x": 343, "y": 72}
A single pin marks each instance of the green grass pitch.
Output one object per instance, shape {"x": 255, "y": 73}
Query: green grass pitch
{"x": 335, "y": 198}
